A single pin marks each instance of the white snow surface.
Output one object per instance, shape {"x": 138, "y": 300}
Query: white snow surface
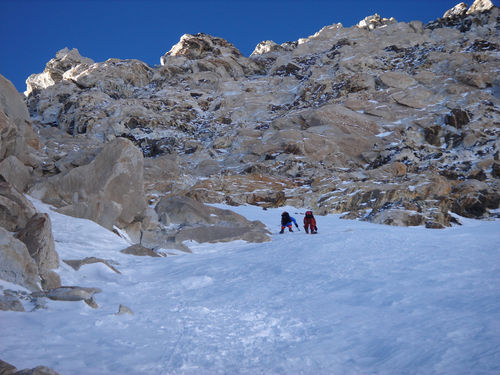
{"x": 356, "y": 298}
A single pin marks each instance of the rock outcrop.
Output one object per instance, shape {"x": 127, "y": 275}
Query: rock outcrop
{"x": 109, "y": 190}
{"x": 27, "y": 249}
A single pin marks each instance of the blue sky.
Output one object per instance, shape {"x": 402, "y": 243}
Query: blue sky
{"x": 32, "y": 31}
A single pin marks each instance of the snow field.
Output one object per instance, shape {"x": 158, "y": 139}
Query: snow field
{"x": 357, "y": 298}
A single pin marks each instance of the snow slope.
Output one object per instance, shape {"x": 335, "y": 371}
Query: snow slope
{"x": 357, "y": 298}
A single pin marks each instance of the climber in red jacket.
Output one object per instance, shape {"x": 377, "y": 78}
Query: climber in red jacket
{"x": 310, "y": 223}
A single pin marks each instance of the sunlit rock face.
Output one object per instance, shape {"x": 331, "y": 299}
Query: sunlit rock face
{"x": 381, "y": 121}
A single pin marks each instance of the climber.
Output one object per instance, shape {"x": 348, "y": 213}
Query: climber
{"x": 286, "y": 221}
{"x": 310, "y": 223}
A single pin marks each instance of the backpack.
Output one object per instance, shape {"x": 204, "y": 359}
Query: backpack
{"x": 285, "y": 218}
{"x": 309, "y": 214}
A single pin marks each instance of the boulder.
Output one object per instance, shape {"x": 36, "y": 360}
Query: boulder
{"x": 108, "y": 191}
{"x": 204, "y": 223}
{"x": 397, "y": 217}
{"x": 16, "y": 264}
{"x": 457, "y": 11}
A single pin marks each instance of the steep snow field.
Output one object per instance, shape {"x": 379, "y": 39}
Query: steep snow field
{"x": 357, "y": 298}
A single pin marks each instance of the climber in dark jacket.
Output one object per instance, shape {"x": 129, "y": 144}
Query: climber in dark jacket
{"x": 286, "y": 221}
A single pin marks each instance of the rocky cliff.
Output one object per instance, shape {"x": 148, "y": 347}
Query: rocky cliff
{"x": 390, "y": 122}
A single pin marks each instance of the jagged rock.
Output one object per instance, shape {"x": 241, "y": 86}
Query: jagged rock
{"x": 77, "y": 263}
{"x": 64, "y": 60}
{"x": 480, "y": 6}
{"x": 108, "y": 191}
{"x": 140, "y": 250}
{"x": 16, "y": 264}
{"x": 218, "y": 54}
